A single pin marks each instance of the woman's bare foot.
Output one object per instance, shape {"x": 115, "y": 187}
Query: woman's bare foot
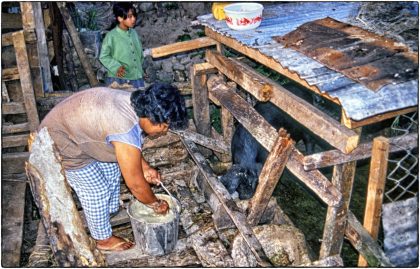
{"x": 114, "y": 243}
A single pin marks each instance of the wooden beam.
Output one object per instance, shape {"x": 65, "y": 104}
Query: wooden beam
{"x": 336, "y": 219}
{"x": 68, "y": 238}
{"x": 14, "y": 140}
{"x": 245, "y": 77}
{"x": 7, "y": 38}
{"x": 84, "y": 60}
{"x": 198, "y": 43}
{"x": 265, "y": 134}
{"x": 364, "y": 244}
{"x": 204, "y": 68}
{"x": 228, "y": 204}
{"x": 12, "y": 220}
{"x": 205, "y": 141}
{"x": 265, "y": 89}
{"x": 12, "y": 108}
{"x": 11, "y": 21}
{"x": 363, "y": 151}
{"x": 8, "y": 74}
{"x": 28, "y": 19}
{"x": 42, "y": 47}
{"x": 228, "y": 126}
{"x": 201, "y": 109}
{"x": 15, "y": 128}
{"x": 269, "y": 176}
{"x": 376, "y": 188}
{"x": 26, "y": 80}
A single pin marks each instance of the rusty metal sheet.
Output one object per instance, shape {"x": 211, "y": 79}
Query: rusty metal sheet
{"x": 365, "y": 57}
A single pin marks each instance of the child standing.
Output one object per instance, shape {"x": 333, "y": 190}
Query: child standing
{"x": 122, "y": 52}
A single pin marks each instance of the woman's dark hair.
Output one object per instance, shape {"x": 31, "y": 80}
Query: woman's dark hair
{"x": 161, "y": 103}
{"x": 121, "y": 9}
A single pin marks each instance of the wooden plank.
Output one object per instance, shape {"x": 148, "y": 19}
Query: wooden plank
{"x": 13, "y": 163}
{"x": 8, "y": 74}
{"x": 11, "y": 21}
{"x": 228, "y": 126}
{"x": 376, "y": 188}
{"x": 28, "y": 19}
{"x": 265, "y": 134}
{"x": 363, "y": 151}
{"x": 84, "y": 60}
{"x": 204, "y": 68}
{"x": 14, "y": 140}
{"x": 68, "y": 238}
{"x": 364, "y": 244}
{"x": 201, "y": 109}
{"x": 12, "y": 108}
{"x": 42, "y": 47}
{"x": 228, "y": 204}
{"x": 25, "y": 80}
{"x": 15, "y": 128}
{"x": 247, "y": 78}
{"x": 349, "y": 123}
{"x": 269, "y": 176}
{"x": 182, "y": 46}
{"x": 4, "y": 93}
{"x": 12, "y": 220}
{"x": 7, "y": 38}
{"x": 265, "y": 89}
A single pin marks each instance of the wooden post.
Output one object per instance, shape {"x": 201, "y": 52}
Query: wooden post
{"x": 201, "y": 109}
{"x": 68, "y": 238}
{"x": 270, "y": 175}
{"x": 84, "y": 60}
{"x": 42, "y": 47}
{"x": 228, "y": 204}
{"x": 228, "y": 126}
{"x": 26, "y": 79}
{"x": 336, "y": 219}
{"x": 376, "y": 187}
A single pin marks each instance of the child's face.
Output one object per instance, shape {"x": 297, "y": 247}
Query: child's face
{"x": 129, "y": 22}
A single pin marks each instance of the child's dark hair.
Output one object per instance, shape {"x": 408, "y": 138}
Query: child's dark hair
{"x": 161, "y": 103}
{"x": 121, "y": 9}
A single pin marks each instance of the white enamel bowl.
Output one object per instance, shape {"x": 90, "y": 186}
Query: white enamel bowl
{"x": 243, "y": 16}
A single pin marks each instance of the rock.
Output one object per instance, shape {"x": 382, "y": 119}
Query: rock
{"x": 145, "y": 7}
{"x": 284, "y": 245}
{"x": 167, "y": 66}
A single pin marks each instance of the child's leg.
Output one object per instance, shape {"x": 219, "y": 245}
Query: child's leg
{"x": 93, "y": 189}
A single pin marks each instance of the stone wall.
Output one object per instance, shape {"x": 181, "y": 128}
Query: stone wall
{"x": 158, "y": 23}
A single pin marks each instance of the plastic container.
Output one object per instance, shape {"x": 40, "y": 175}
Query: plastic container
{"x": 155, "y": 234}
{"x": 243, "y": 16}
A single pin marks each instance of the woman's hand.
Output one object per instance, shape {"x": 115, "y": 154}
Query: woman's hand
{"x": 151, "y": 175}
{"x": 159, "y": 207}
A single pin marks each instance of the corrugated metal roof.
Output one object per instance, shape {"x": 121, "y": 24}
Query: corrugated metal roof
{"x": 279, "y": 19}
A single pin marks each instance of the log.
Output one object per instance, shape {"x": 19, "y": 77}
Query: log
{"x": 14, "y": 140}
{"x": 26, "y": 80}
{"x": 363, "y": 151}
{"x": 245, "y": 77}
{"x": 200, "y": 230}
{"x": 194, "y": 44}
{"x": 69, "y": 241}
{"x": 265, "y": 134}
{"x": 84, "y": 60}
{"x": 376, "y": 188}
{"x": 165, "y": 155}
{"x": 9, "y": 74}
{"x": 12, "y": 108}
{"x": 228, "y": 204}
{"x": 312, "y": 118}
{"x": 15, "y": 128}
{"x": 205, "y": 141}
{"x": 269, "y": 176}
{"x": 7, "y": 38}
{"x": 13, "y": 163}
{"x": 364, "y": 244}
{"x": 228, "y": 126}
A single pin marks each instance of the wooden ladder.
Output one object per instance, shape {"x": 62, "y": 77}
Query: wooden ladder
{"x": 15, "y": 134}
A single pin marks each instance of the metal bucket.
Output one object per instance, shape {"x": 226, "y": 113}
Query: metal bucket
{"x": 155, "y": 234}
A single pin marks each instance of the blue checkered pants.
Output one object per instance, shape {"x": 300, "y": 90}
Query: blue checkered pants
{"x": 97, "y": 186}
